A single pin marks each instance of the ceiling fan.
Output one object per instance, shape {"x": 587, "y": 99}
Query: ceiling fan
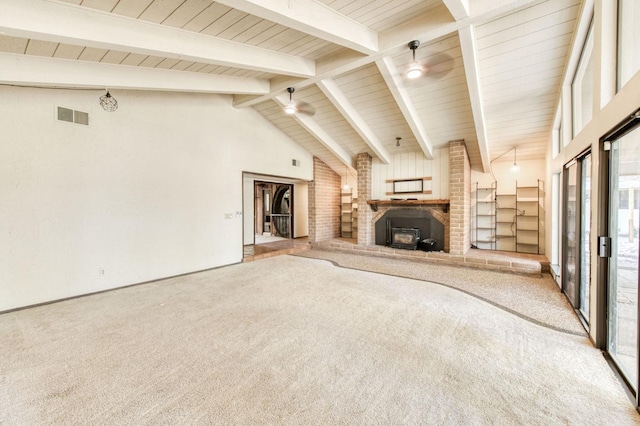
{"x": 298, "y": 107}
{"x": 436, "y": 66}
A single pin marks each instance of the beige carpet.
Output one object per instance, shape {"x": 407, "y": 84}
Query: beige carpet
{"x": 290, "y": 340}
{"x": 537, "y": 299}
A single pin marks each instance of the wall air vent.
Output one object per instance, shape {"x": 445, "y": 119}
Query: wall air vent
{"x": 65, "y": 114}
{"x": 73, "y": 116}
{"x": 80, "y": 117}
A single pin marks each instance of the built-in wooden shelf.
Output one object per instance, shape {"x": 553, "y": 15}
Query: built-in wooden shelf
{"x": 375, "y": 203}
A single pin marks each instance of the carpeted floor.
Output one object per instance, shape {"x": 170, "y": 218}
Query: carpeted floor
{"x": 537, "y": 299}
{"x": 292, "y": 340}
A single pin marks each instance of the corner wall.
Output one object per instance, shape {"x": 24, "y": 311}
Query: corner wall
{"x": 324, "y": 203}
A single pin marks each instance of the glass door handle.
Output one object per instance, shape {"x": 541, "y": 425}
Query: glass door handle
{"x": 604, "y": 246}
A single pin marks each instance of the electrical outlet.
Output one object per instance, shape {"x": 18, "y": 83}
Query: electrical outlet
{"x": 101, "y": 272}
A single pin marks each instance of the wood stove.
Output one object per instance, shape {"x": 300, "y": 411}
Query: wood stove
{"x": 402, "y": 238}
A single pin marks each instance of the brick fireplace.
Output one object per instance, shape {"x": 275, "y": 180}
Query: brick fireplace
{"x": 453, "y": 214}
{"x": 433, "y": 219}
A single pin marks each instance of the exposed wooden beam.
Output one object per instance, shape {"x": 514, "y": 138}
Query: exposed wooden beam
{"x": 394, "y": 81}
{"x": 459, "y": 8}
{"x": 431, "y": 26}
{"x": 82, "y": 26}
{"x": 319, "y": 133}
{"x": 313, "y": 18}
{"x": 470, "y": 60}
{"x": 350, "y": 113}
{"x": 27, "y": 70}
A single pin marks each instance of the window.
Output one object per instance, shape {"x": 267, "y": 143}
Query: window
{"x": 582, "y": 87}
{"x": 623, "y": 202}
{"x": 556, "y": 137}
{"x": 628, "y": 36}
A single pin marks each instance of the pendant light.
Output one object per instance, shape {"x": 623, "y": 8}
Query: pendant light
{"x": 108, "y": 102}
{"x": 515, "y": 168}
{"x": 346, "y": 186}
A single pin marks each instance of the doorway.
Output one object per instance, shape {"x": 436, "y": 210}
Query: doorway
{"x": 274, "y": 213}
{"x": 622, "y": 248}
{"x": 576, "y": 274}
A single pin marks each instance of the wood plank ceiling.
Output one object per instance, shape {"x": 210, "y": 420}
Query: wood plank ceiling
{"x": 493, "y": 67}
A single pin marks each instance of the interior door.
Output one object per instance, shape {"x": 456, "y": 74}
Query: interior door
{"x": 622, "y": 279}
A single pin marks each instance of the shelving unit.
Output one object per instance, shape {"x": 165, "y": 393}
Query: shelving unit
{"x": 484, "y": 224}
{"x": 529, "y": 202}
{"x": 508, "y": 222}
{"x": 348, "y": 215}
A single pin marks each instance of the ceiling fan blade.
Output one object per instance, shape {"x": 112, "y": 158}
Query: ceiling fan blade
{"x": 305, "y": 108}
{"x": 439, "y": 65}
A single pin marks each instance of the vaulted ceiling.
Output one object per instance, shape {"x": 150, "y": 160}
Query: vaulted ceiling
{"x": 493, "y": 67}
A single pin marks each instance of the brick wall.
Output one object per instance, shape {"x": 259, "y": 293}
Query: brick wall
{"x": 460, "y": 196}
{"x": 324, "y": 203}
{"x": 365, "y": 214}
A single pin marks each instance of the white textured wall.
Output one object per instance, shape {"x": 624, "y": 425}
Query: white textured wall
{"x": 412, "y": 165}
{"x": 141, "y": 193}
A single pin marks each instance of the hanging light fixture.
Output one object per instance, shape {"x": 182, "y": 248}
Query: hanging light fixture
{"x": 415, "y": 70}
{"x": 290, "y": 108}
{"x": 108, "y": 102}
{"x": 346, "y": 186}
{"x": 398, "y": 140}
{"x": 515, "y": 168}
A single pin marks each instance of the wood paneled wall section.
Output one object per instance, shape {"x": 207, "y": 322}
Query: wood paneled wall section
{"x": 413, "y": 165}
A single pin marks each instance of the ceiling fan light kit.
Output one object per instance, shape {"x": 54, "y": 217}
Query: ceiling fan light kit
{"x": 415, "y": 70}
{"x": 290, "y": 108}
{"x": 298, "y": 107}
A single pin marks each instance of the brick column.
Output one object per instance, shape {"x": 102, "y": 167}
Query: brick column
{"x": 324, "y": 203}
{"x": 365, "y": 214}
{"x": 460, "y": 196}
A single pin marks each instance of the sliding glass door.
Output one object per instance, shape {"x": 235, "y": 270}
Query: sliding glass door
{"x": 585, "y": 237}
{"x": 622, "y": 286}
{"x": 571, "y": 233}
{"x": 576, "y": 277}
